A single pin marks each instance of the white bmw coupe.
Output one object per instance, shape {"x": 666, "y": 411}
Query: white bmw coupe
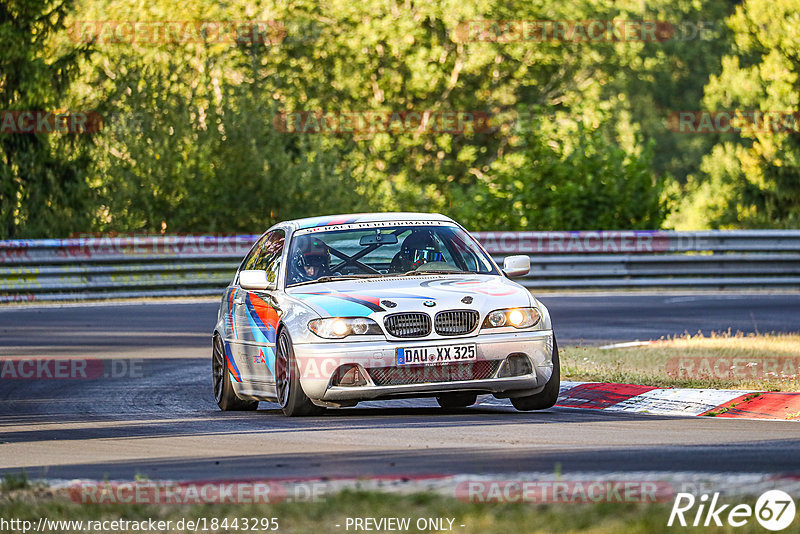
{"x": 329, "y": 311}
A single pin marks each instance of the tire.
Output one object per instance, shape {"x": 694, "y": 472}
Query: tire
{"x": 221, "y": 381}
{"x": 291, "y": 397}
{"x": 549, "y": 395}
{"x": 457, "y": 400}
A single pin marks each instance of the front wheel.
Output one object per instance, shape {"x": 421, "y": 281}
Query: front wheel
{"x": 291, "y": 396}
{"x": 221, "y": 380}
{"x": 549, "y": 395}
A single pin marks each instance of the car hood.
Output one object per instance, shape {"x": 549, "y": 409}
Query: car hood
{"x": 375, "y": 297}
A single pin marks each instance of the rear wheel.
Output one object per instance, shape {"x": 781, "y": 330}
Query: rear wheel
{"x": 549, "y": 395}
{"x": 221, "y": 380}
{"x": 291, "y": 396}
{"x": 457, "y": 400}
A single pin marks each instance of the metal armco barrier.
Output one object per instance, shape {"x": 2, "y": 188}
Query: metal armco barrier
{"x": 152, "y": 266}
{"x": 653, "y": 259}
{"x": 119, "y": 267}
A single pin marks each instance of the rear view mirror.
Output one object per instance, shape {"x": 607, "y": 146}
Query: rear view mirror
{"x": 516, "y": 266}
{"x": 378, "y": 239}
{"x": 255, "y": 281}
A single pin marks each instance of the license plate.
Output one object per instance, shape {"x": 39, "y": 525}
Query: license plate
{"x": 436, "y": 355}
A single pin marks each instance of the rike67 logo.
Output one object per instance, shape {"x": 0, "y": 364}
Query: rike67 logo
{"x": 774, "y": 510}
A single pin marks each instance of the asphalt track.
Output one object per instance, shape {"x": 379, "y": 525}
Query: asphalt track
{"x": 158, "y": 419}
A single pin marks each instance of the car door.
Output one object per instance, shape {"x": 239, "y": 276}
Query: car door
{"x": 235, "y": 322}
{"x": 256, "y": 314}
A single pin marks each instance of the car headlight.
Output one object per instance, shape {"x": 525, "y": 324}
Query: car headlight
{"x": 516, "y": 317}
{"x": 339, "y": 327}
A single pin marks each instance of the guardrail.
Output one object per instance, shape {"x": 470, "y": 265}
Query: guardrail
{"x": 119, "y": 267}
{"x": 149, "y": 266}
{"x": 654, "y": 259}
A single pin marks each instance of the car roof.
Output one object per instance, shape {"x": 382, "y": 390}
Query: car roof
{"x": 328, "y": 220}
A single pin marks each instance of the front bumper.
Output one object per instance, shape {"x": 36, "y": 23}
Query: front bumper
{"x": 318, "y": 363}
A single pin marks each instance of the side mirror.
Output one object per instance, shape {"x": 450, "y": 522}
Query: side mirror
{"x": 255, "y": 281}
{"x": 516, "y": 266}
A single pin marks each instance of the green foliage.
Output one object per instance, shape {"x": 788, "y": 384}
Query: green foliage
{"x": 189, "y": 142}
{"x": 754, "y": 178}
{"x": 12, "y": 481}
{"x": 43, "y": 190}
{"x": 190, "y": 145}
{"x": 566, "y": 178}
{"x": 656, "y": 78}
{"x": 323, "y": 515}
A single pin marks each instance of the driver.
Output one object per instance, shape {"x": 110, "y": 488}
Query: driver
{"x": 311, "y": 259}
{"x": 419, "y": 247}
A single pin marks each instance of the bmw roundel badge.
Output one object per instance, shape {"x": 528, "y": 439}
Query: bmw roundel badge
{"x": 429, "y": 303}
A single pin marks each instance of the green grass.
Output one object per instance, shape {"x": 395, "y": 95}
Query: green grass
{"x": 323, "y": 516}
{"x": 720, "y": 361}
{"x": 14, "y": 481}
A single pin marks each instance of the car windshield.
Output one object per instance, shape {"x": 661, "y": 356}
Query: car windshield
{"x": 381, "y": 249}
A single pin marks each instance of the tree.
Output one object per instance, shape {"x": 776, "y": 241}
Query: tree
{"x": 753, "y": 178}
{"x": 43, "y": 190}
{"x": 401, "y": 56}
{"x": 566, "y": 176}
{"x": 190, "y": 142}
{"x": 190, "y": 145}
